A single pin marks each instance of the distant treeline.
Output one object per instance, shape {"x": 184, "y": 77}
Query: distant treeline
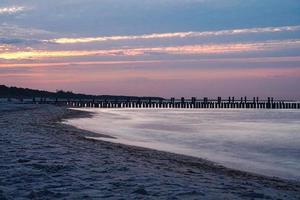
{"x": 14, "y": 92}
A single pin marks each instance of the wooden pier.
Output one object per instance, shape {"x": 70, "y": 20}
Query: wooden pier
{"x": 182, "y": 103}
{"x": 193, "y": 103}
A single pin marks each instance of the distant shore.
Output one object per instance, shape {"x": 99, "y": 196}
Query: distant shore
{"x": 43, "y": 158}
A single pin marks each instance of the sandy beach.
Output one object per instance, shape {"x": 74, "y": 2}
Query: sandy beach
{"x": 41, "y": 158}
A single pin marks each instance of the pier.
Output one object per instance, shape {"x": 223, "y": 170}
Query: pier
{"x": 182, "y": 103}
{"x": 70, "y": 99}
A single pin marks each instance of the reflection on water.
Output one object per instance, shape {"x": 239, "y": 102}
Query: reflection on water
{"x": 261, "y": 141}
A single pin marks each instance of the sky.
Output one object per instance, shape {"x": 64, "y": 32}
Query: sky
{"x": 153, "y": 47}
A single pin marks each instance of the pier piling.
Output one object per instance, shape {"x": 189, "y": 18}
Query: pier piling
{"x": 192, "y": 103}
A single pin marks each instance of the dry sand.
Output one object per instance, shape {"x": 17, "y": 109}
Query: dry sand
{"x": 41, "y": 158}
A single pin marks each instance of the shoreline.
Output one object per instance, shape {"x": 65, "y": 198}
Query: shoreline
{"x": 182, "y": 176}
{"x": 101, "y": 117}
{"x": 177, "y": 157}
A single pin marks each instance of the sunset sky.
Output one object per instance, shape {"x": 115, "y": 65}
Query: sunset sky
{"x": 153, "y": 47}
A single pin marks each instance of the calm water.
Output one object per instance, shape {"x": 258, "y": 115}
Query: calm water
{"x": 261, "y": 141}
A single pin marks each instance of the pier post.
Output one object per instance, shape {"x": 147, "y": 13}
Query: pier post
{"x": 172, "y": 102}
{"x": 193, "y": 105}
{"x": 182, "y": 102}
{"x": 105, "y": 103}
{"x": 269, "y": 103}
{"x": 205, "y": 101}
{"x": 219, "y": 102}
{"x": 232, "y": 102}
{"x": 149, "y": 103}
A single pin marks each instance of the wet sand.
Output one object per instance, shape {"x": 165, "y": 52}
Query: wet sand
{"x": 41, "y": 158}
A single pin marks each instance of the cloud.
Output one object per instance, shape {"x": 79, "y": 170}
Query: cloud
{"x": 37, "y": 54}
{"x": 4, "y": 47}
{"x": 176, "y": 35}
{"x": 16, "y": 35}
{"x": 11, "y": 10}
{"x": 59, "y": 64}
{"x": 16, "y": 41}
{"x": 207, "y": 49}
{"x": 14, "y": 31}
{"x": 252, "y": 60}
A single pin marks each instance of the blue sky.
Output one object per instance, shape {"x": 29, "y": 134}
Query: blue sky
{"x": 151, "y": 47}
{"x": 147, "y": 16}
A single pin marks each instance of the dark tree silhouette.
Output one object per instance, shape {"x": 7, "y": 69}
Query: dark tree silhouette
{"x": 14, "y": 92}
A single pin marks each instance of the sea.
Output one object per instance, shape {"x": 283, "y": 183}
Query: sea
{"x": 265, "y": 142}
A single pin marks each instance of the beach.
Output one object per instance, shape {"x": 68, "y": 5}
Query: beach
{"x": 42, "y": 158}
